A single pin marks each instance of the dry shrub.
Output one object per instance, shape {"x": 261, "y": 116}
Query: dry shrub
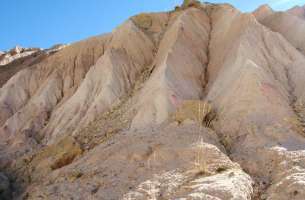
{"x": 54, "y": 156}
{"x": 191, "y": 3}
{"x": 199, "y": 111}
{"x": 143, "y": 20}
{"x": 200, "y": 165}
{"x": 296, "y": 124}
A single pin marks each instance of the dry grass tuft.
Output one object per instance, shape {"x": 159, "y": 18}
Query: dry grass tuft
{"x": 199, "y": 111}
{"x": 200, "y": 165}
{"x": 296, "y": 124}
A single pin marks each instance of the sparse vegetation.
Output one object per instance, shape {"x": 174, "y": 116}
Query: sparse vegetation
{"x": 178, "y": 8}
{"x": 143, "y": 21}
{"x": 221, "y": 169}
{"x": 201, "y": 168}
{"x": 226, "y": 141}
{"x": 190, "y": 3}
{"x": 75, "y": 174}
{"x": 297, "y": 122}
{"x": 54, "y": 156}
{"x": 114, "y": 120}
{"x": 194, "y": 110}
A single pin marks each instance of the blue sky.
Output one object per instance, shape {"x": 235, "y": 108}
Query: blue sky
{"x": 43, "y": 23}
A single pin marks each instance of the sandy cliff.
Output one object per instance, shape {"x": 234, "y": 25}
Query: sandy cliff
{"x": 202, "y": 102}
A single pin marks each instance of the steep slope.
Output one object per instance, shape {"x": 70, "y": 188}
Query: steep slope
{"x": 185, "y": 43}
{"x": 19, "y": 58}
{"x": 262, "y": 12}
{"x": 203, "y": 102}
{"x": 289, "y": 24}
{"x": 257, "y": 81}
{"x": 298, "y": 11}
{"x": 130, "y": 51}
{"x": 28, "y": 98}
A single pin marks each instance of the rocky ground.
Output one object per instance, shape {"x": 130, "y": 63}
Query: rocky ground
{"x": 202, "y": 102}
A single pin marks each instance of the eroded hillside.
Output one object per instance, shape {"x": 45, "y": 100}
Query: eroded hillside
{"x": 202, "y": 102}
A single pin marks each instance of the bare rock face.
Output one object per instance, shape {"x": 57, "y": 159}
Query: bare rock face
{"x": 288, "y": 23}
{"x": 19, "y": 58}
{"x": 16, "y": 50}
{"x": 16, "y": 53}
{"x": 262, "y": 12}
{"x": 204, "y": 102}
{"x": 298, "y": 11}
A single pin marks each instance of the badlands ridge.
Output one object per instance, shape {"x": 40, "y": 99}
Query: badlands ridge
{"x": 202, "y": 102}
